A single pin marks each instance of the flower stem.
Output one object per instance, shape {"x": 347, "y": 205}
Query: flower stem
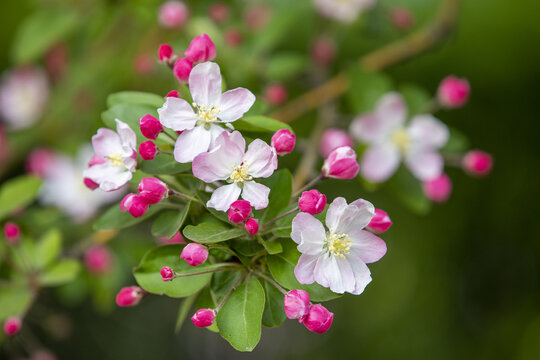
{"x": 271, "y": 281}
{"x": 226, "y": 266}
{"x": 229, "y": 293}
{"x": 184, "y": 196}
{"x": 309, "y": 185}
{"x": 285, "y": 214}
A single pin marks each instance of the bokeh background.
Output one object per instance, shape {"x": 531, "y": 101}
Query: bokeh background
{"x": 459, "y": 282}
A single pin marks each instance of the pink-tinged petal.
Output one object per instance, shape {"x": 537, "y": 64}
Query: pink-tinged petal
{"x": 304, "y": 270}
{"x": 428, "y": 131}
{"x": 177, "y": 114}
{"x": 356, "y": 215}
{"x": 362, "y": 276}
{"x": 425, "y": 164}
{"x": 256, "y": 194}
{"x": 205, "y": 84}
{"x": 108, "y": 177}
{"x": 379, "y": 163}
{"x": 223, "y": 197}
{"x": 260, "y": 159}
{"x": 106, "y": 143}
{"x": 366, "y": 247}
{"x": 215, "y": 131}
{"x": 191, "y": 143}
{"x": 218, "y": 164}
{"x": 233, "y": 139}
{"x": 130, "y": 163}
{"x": 327, "y": 273}
{"x": 127, "y": 136}
{"x": 308, "y": 233}
{"x": 335, "y": 210}
{"x": 233, "y": 104}
{"x": 347, "y": 275}
{"x": 393, "y": 109}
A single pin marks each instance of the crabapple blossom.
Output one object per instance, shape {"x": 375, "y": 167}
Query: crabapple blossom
{"x": 39, "y": 161}
{"x": 232, "y": 37}
{"x": 252, "y": 226}
{"x": 182, "y": 69}
{"x": 218, "y": 12}
{"x": 230, "y": 162}
{"x": 194, "y": 254}
{"x": 173, "y": 14}
{"x": 165, "y": 52}
{"x": 438, "y": 189}
{"x": 453, "y": 92}
{"x": 129, "y": 296}
{"x": 12, "y": 326}
{"x": 143, "y": 64}
{"x": 283, "y": 141}
{"x": 477, "y": 162}
{"x": 201, "y": 49}
{"x": 334, "y": 138}
{"x": 323, "y": 51}
{"x": 239, "y": 211}
{"x": 336, "y": 258}
{"x": 152, "y": 190}
{"x": 344, "y": 11}
{"x": 118, "y": 151}
{"x": 148, "y": 150}
{"x": 150, "y": 127}
{"x": 401, "y": 17}
{"x": 296, "y": 304}
{"x": 134, "y": 204}
{"x": 318, "y": 319}
{"x": 341, "y": 164}
{"x": 167, "y": 274}
{"x": 389, "y": 141}
{"x": 257, "y": 17}
{"x": 380, "y": 222}
{"x": 203, "y": 317}
{"x": 312, "y": 202}
{"x": 199, "y": 124}
{"x": 12, "y": 232}
{"x": 98, "y": 259}
{"x": 276, "y": 94}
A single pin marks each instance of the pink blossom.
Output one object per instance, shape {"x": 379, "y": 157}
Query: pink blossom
{"x": 232, "y": 37}
{"x": 336, "y": 258}
{"x": 276, "y": 94}
{"x": 98, "y": 259}
{"x": 401, "y": 17}
{"x": 143, "y": 64}
{"x": 152, "y": 190}
{"x": 129, "y": 296}
{"x": 12, "y": 232}
{"x": 334, "y": 138}
{"x": 283, "y": 141}
{"x": 12, "y": 326}
{"x": 341, "y": 164}
{"x": 210, "y": 107}
{"x": 39, "y": 161}
{"x": 173, "y": 14}
{"x": 252, "y": 226}
{"x": 165, "y": 52}
{"x": 219, "y": 12}
{"x": 194, "y": 254}
{"x": 201, "y": 49}
{"x": 453, "y": 92}
{"x": 182, "y": 69}
{"x": 239, "y": 211}
{"x": 477, "y": 163}
{"x": 323, "y": 51}
{"x": 380, "y": 222}
{"x": 150, "y": 127}
{"x": 319, "y": 319}
{"x": 389, "y": 140}
{"x": 167, "y": 274}
{"x": 203, "y": 317}
{"x": 296, "y": 304}
{"x": 118, "y": 151}
{"x": 257, "y": 17}
{"x": 344, "y": 11}
{"x": 438, "y": 189}
{"x": 230, "y": 162}
{"x": 312, "y": 202}
{"x": 134, "y": 204}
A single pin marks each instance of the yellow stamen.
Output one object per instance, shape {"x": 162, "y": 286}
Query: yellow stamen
{"x": 207, "y": 115}
{"x": 401, "y": 139}
{"x": 116, "y": 160}
{"x": 240, "y": 173}
{"x": 339, "y": 245}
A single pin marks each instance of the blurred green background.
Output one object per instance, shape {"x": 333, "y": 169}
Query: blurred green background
{"x": 460, "y": 282}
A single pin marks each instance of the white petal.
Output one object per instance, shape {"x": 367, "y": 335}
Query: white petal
{"x": 205, "y": 84}
{"x": 309, "y": 233}
{"x": 233, "y": 104}
{"x": 379, "y": 162}
{"x": 177, "y": 114}
{"x": 191, "y": 143}
{"x": 346, "y": 274}
{"x": 108, "y": 177}
{"x": 256, "y": 194}
{"x": 335, "y": 210}
{"x": 366, "y": 247}
{"x": 260, "y": 158}
{"x": 393, "y": 109}
{"x": 218, "y": 164}
{"x": 223, "y": 197}
{"x": 362, "y": 276}
{"x": 127, "y": 135}
{"x": 425, "y": 164}
{"x": 215, "y": 131}
{"x": 327, "y": 273}
{"x": 428, "y": 131}
{"x": 107, "y": 143}
{"x": 304, "y": 270}
{"x": 361, "y": 212}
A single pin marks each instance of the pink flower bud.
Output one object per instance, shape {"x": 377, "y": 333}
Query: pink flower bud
{"x": 39, "y": 161}
{"x": 90, "y": 184}
{"x": 477, "y": 162}
{"x": 401, "y": 17}
{"x": 167, "y": 274}
{"x": 172, "y": 93}
{"x": 150, "y": 127}
{"x": 276, "y": 94}
{"x": 334, "y": 138}
{"x": 143, "y": 64}
{"x": 453, "y": 92}
{"x": 173, "y": 14}
{"x": 129, "y": 296}
{"x": 134, "y": 204}
{"x": 219, "y": 12}
{"x": 252, "y": 226}
{"x": 148, "y": 150}
{"x": 283, "y": 141}
{"x": 319, "y": 319}
{"x": 194, "y": 254}
{"x": 165, "y": 52}
{"x": 98, "y": 260}
{"x": 182, "y": 69}
{"x": 12, "y": 232}
{"x": 312, "y": 202}
{"x": 323, "y": 51}
{"x": 380, "y": 222}
{"x": 438, "y": 189}
{"x": 341, "y": 164}
{"x": 152, "y": 190}
{"x": 232, "y": 37}
{"x": 203, "y": 317}
{"x": 12, "y": 326}
{"x": 239, "y": 211}
{"x": 201, "y": 49}
{"x": 257, "y": 17}
{"x": 296, "y": 304}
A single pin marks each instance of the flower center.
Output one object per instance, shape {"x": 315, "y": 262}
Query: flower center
{"x": 339, "y": 244}
{"x": 115, "y": 160}
{"x": 206, "y": 115}
{"x": 240, "y": 173}
{"x": 401, "y": 139}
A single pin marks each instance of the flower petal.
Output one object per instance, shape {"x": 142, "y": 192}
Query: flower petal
{"x": 191, "y": 143}
{"x": 362, "y": 276}
{"x": 177, "y": 114}
{"x": 379, "y": 163}
{"x": 107, "y": 143}
{"x": 428, "y": 131}
{"x": 218, "y": 164}
{"x": 108, "y": 177}
{"x": 215, "y": 131}
{"x": 127, "y": 136}
{"x": 342, "y": 218}
{"x": 346, "y": 273}
{"x": 256, "y": 194}
{"x": 223, "y": 197}
{"x": 425, "y": 164}
{"x": 260, "y": 157}
{"x": 334, "y": 212}
{"x": 308, "y": 233}
{"x": 233, "y": 104}
{"x": 327, "y": 273}
{"x": 304, "y": 269}
{"x": 205, "y": 84}
{"x": 366, "y": 247}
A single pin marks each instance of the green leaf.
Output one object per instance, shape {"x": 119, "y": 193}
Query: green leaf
{"x": 408, "y": 190}
{"x": 246, "y": 247}
{"x": 417, "y": 98}
{"x": 280, "y": 184}
{"x": 239, "y": 320}
{"x": 204, "y": 196}
{"x": 168, "y": 223}
{"x": 365, "y": 89}
{"x": 258, "y": 123}
{"x": 135, "y": 97}
{"x": 148, "y": 276}
{"x": 130, "y": 114}
{"x": 164, "y": 164}
{"x": 223, "y": 281}
{"x": 281, "y": 67}
{"x": 114, "y": 218}
{"x": 14, "y": 300}
{"x": 457, "y": 142}
{"x": 17, "y": 193}
{"x": 282, "y": 268}
{"x": 273, "y": 247}
{"x": 207, "y": 233}
{"x": 185, "y": 306}
{"x": 40, "y": 31}
{"x": 48, "y": 248}
{"x": 61, "y": 272}
{"x": 274, "y": 312}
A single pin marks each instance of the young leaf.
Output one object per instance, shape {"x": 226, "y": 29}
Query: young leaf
{"x": 183, "y": 311}
{"x": 164, "y": 164}
{"x": 417, "y": 99}
{"x": 14, "y": 300}
{"x": 223, "y": 281}
{"x": 259, "y": 123}
{"x": 239, "y": 320}
{"x": 130, "y": 114}
{"x": 204, "y": 196}
{"x": 285, "y": 65}
{"x": 366, "y": 88}
{"x": 48, "y": 248}
{"x": 207, "y": 233}
{"x": 168, "y": 223}
{"x": 59, "y": 273}
{"x": 457, "y": 142}
{"x": 17, "y": 193}
{"x": 274, "y": 312}
{"x": 280, "y": 184}
{"x": 246, "y": 247}
{"x": 407, "y": 189}
{"x": 114, "y": 218}
{"x": 135, "y": 97}
{"x": 273, "y": 247}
